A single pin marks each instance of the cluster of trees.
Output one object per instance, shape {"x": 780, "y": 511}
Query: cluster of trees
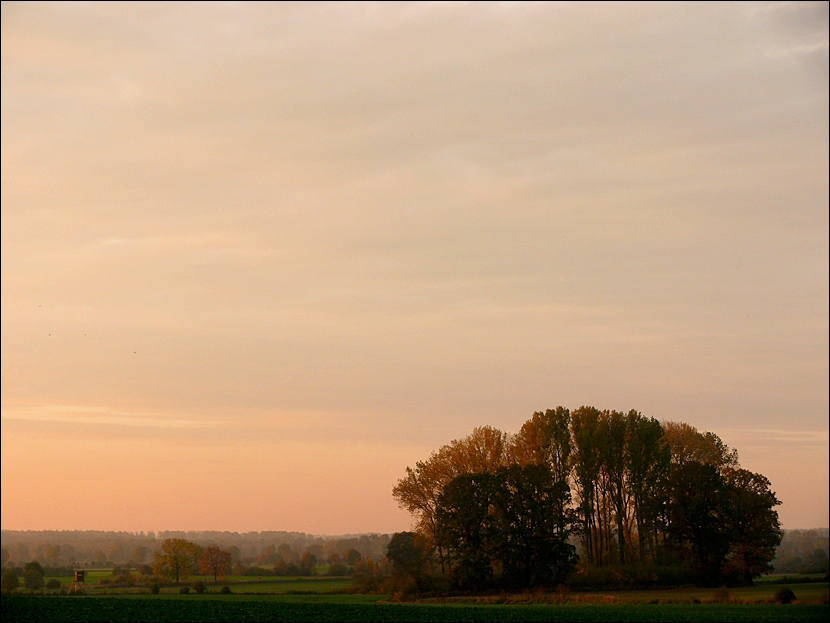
{"x": 33, "y": 574}
{"x": 178, "y": 558}
{"x": 629, "y": 488}
{"x": 511, "y": 519}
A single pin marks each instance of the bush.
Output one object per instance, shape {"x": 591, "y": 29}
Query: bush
{"x": 53, "y": 583}
{"x": 784, "y": 596}
{"x": 199, "y": 587}
{"x": 338, "y": 569}
{"x": 149, "y": 580}
{"x": 10, "y": 581}
{"x": 628, "y": 577}
{"x": 401, "y": 586}
{"x": 226, "y": 590}
{"x": 32, "y": 580}
{"x": 721, "y": 596}
{"x": 123, "y": 579}
{"x": 184, "y": 590}
{"x": 366, "y": 584}
{"x": 155, "y": 589}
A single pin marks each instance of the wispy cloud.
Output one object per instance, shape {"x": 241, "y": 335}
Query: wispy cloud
{"x": 84, "y": 414}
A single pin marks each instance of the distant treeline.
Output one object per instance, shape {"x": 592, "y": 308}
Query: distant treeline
{"x": 803, "y": 551}
{"x": 99, "y": 548}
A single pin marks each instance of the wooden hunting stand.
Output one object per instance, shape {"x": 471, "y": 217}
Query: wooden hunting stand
{"x": 78, "y": 583}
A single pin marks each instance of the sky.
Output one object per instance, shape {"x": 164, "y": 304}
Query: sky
{"x": 257, "y": 259}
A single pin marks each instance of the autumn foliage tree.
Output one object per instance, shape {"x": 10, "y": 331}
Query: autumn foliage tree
{"x": 635, "y": 491}
{"x": 484, "y": 450}
{"x": 215, "y": 561}
{"x": 307, "y": 563}
{"x": 177, "y": 558}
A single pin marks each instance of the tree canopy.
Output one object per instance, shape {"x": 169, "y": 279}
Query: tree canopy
{"x": 631, "y": 488}
{"x": 215, "y": 561}
{"x": 177, "y": 558}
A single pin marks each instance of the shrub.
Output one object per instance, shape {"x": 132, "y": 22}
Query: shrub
{"x": 124, "y": 578}
{"x": 32, "y": 580}
{"x": 184, "y": 590}
{"x": 155, "y": 589}
{"x": 10, "y": 581}
{"x": 784, "y": 596}
{"x": 76, "y": 591}
{"x": 226, "y": 590}
{"x": 338, "y": 569}
{"x": 153, "y": 579}
{"x": 721, "y": 596}
{"x": 199, "y": 587}
{"x": 366, "y": 584}
{"x": 400, "y": 586}
{"x": 53, "y": 583}
{"x": 636, "y": 576}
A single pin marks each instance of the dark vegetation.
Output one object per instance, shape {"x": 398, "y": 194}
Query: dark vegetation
{"x": 648, "y": 503}
{"x": 784, "y": 596}
{"x": 234, "y": 608}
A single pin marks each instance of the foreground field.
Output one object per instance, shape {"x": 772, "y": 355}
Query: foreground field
{"x": 325, "y": 599}
{"x": 764, "y": 590}
{"x": 277, "y": 608}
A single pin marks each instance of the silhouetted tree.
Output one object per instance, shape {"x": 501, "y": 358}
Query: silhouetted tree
{"x": 698, "y": 527}
{"x": 33, "y": 575}
{"x": 139, "y": 554}
{"x": 410, "y": 553}
{"x": 353, "y": 557}
{"x": 753, "y": 525}
{"x": 215, "y": 561}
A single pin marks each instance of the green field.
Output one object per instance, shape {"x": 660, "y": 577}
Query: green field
{"x": 277, "y": 608}
{"x": 270, "y": 598}
{"x": 239, "y": 584}
{"x": 280, "y": 585}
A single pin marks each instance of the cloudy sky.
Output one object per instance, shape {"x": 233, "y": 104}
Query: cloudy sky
{"x": 258, "y": 258}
